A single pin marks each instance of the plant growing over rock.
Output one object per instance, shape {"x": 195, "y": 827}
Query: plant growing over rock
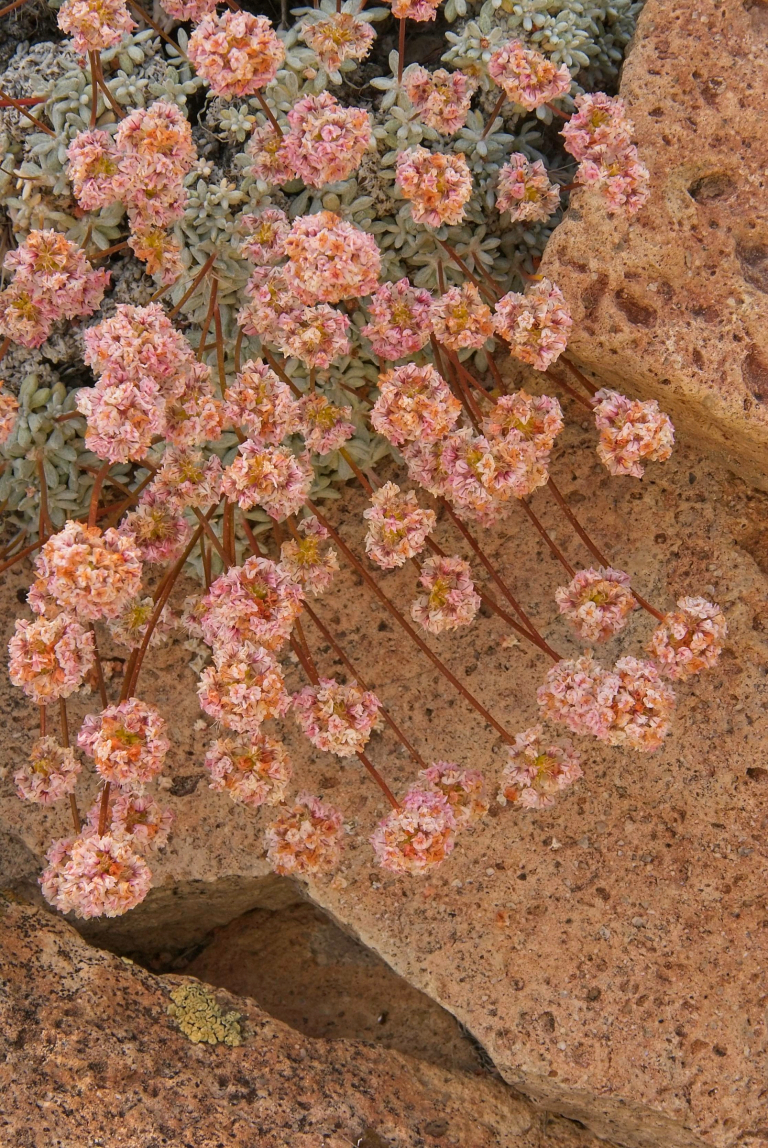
{"x": 339, "y": 294}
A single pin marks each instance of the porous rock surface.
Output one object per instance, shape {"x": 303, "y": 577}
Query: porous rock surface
{"x": 608, "y": 953}
{"x": 673, "y": 302}
{"x": 90, "y": 1056}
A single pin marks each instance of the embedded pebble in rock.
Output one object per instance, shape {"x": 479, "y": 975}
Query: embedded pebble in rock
{"x": 673, "y": 303}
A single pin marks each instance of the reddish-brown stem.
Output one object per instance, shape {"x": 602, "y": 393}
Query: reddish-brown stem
{"x": 494, "y": 114}
{"x": 92, "y": 258}
{"x": 45, "y": 526}
{"x": 489, "y": 291}
{"x": 130, "y": 501}
{"x": 465, "y": 693}
{"x": 279, "y": 371}
{"x": 305, "y": 660}
{"x": 208, "y": 318}
{"x": 468, "y": 375}
{"x": 212, "y": 536}
{"x": 557, "y": 111}
{"x": 361, "y": 478}
{"x": 15, "y": 541}
{"x": 99, "y": 671}
{"x": 158, "y": 29}
{"x": 548, "y": 539}
{"x": 401, "y": 50}
{"x": 24, "y": 101}
{"x": 205, "y": 558}
{"x": 495, "y": 372}
{"x": 69, "y": 415}
{"x": 379, "y": 781}
{"x": 384, "y": 711}
{"x": 105, "y": 89}
{"x": 195, "y": 284}
{"x": 11, "y": 7}
{"x": 94, "y": 89}
{"x": 43, "y": 720}
{"x": 104, "y": 809}
{"x": 65, "y": 741}
{"x": 269, "y": 113}
{"x": 465, "y": 393}
{"x": 312, "y": 380}
{"x": 75, "y": 812}
{"x": 252, "y": 539}
{"x": 4, "y": 346}
{"x": 96, "y": 493}
{"x": 28, "y": 115}
{"x": 440, "y": 277}
{"x": 569, "y": 390}
{"x": 585, "y": 382}
{"x": 228, "y": 532}
{"x": 238, "y": 348}
{"x": 219, "y": 348}
{"x": 21, "y": 555}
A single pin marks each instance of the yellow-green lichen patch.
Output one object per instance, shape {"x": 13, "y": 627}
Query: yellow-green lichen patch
{"x": 199, "y": 1017}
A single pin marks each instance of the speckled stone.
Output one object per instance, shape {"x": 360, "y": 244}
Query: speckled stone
{"x": 608, "y": 953}
{"x": 673, "y": 303}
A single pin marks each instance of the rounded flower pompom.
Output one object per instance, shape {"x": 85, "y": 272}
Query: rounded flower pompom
{"x": 306, "y": 839}
{"x": 157, "y": 527}
{"x": 461, "y": 319}
{"x": 93, "y": 166}
{"x": 536, "y": 324}
{"x": 261, "y": 402}
{"x": 89, "y": 573}
{"x": 140, "y": 819}
{"x": 642, "y": 706}
{"x": 130, "y": 626}
{"x": 160, "y": 251}
{"x": 579, "y": 694}
{"x": 397, "y": 526}
{"x": 243, "y": 688}
{"x": 441, "y": 98}
{"x": 599, "y": 136}
{"x": 690, "y": 639}
{"x": 337, "y": 719}
{"x": 253, "y": 770}
{"x": 419, "y": 10}
{"x": 523, "y": 189}
{"x": 327, "y": 141}
{"x": 631, "y": 432}
{"x": 450, "y": 600}
{"x": 94, "y": 876}
{"x": 236, "y": 53}
{"x": 95, "y": 24}
{"x": 330, "y": 259}
{"x": 269, "y": 156}
{"x": 127, "y": 743}
{"x": 270, "y": 477}
{"x": 536, "y": 772}
{"x": 437, "y": 185}
{"x": 463, "y": 789}
{"x": 521, "y": 417}
{"x": 597, "y": 602}
{"x": 265, "y": 235}
{"x": 271, "y": 304}
{"x": 122, "y": 417}
{"x": 401, "y": 320}
{"x": 469, "y": 467}
{"x": 50, "y": 658}
{"x": 336, "y": 37}
{"x": 193, "y": 10}
{"x": 185, "y": 478}
{"x": 418, "y": 836}
{"x": 414, "y": 403}
{"x": 51, "y": 772}
{"x": 257, "y": 602}
{"x": 316, "y": 335}
{"x": 303, "y": 560}
{"x": 323, "y": 426}
{"x": 527, "y": 77}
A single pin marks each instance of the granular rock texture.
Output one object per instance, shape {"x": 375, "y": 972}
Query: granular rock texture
{"x": 608, "y": 953}
{"x": 673, "y": 302}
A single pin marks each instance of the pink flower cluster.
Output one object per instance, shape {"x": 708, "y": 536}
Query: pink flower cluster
{"x": 463, "y": 789}
{"x": 270, "y": 477}
{"x": 327, "y": 141}
{"x": 631, "y": 431}
{"x": 94, "y": 876}
{"x": 418, "y": 836}
{"x": 261, "y": 402}
{"x": 521, "y": 417}
{"x": 336, "y": 37}
{"x": 304, "y": 561}
{"x": 337, "y": 719}
{"x": 185, "y": 478}
{"x": 690, "y": 639}
{"x": 193, "y": 10}
{"x": 441, "y": 98}
{"x": 139, "y": 819}
{"x": 323, "y": 425}
{"x": 401, "y": 320}
{"x": 306, "y": 839}
{"x": 330, "y": 259}
{"x": 536, "y": 324}
{"x": 53, "y": 280}
{"x": 536, "y": 772}
{"x": 450, "y": 600}
{"x": 461, "y": 319}
{"x": 317, "y": 335}
{"x": 95, "y": 25}
{"x": 50, "y": 774}
{"x": 597, "y": 602}
{"x": 157, "y": 527}
{"x": 438, "y": 185}
{"x": 460, "y": 467}
{"x": 50, "y": 658}
{"x": 528, "y": 78}
{"x": 265, "y": 236}
{"x": 253, "y": 770}
{"x": 127, "y": 742}
{"x": 414, "y": 403}
{"x": 236, "y": 53}
{"x": 523, "y": 189}
{"x": 397, "y": 526}
{"x": 419, "y": 10}
{"x": 256, "y": 603}
{"x": 88, "y": 573}
{"x": 599, "y": 137}
{"x": 130, "y": 626}
{"x": 243, "y": 688}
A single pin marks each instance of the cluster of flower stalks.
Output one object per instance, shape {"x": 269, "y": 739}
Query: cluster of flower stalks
{"x": 470, "y": 449}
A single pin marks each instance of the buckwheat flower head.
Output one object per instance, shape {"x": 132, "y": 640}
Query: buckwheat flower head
{"x": 156, "y": 203}
{"x": 631, "y": 432}
{"x": 49, "y": 658}
{"x": 158, "y": 528}
{"x": 336, "y": 37}
{"x": 25, "y": 317}
{"x": 441, "y": 98}
{"x": 463, "y": 789}
{"x": 418, "y": 836}
{"x": 193, "y": 10}
{"x": 93, "y": 166}
{"x": 265, "y": 235}
{"x": 437, "y": 185}
{"x": 305, "y": 562}
{"x": 337, "y": 719}
{"x": 130, "y": 626}
{"x": 236, "y": 53}
{"x": 397, "y": 526}
{"x": 89, "y": 573}
{"x": 450, "y": 600}
{"x": 401, "y": 320}
{"x": 102, "y": 877}
{"x": 528, "y": 78}
{"x": 330, "y": 259}
{"x": 461, "y": 319}
{"x": 95, "y": 24}
{"x": 414, "y": 403}
{"x": 622, "y": 179}
{"x": 254, "y": 770}
{"x": 51, "y": 878}
{"x": 50, "y": 773}
{"x": 579, "y": 693}
{"x": 599, "y": 128}
{"x": 159, "y": 250}
{"x": 536, "y": 772}
{"x": 261, "y": 402}
{"x": 518, "y": 467}
{"x": 185, "y": 478}
{"x": 642, "y": 706}
{"x": 9, "y": 409}
{"x": 140, "y": 820}
{"x": 55, "y": 278}
{"x": 469, "y": 467}
{"x": 421, "y": 10}
{"x": 192, "y": 610}
{"x": 156, "y": 142}
{"x": 270, "y": 477}
{"x": 269, "y": 156}
{"x": 597, "y": 602}
{"x": 690, "y": 639}
{"x": 305, "y": 839}
{"x": 523, "y": 189}
{"x": 537, "y": 419}
{"x": 243, "y": 688}
{"x": 317, "y": 335}
{"x": 257, "y": 603}
{"x": 139, "y": 343}
{"x": 535, "y": 324}
{"x": 122, "y": 416}
{"x": 272, "y": 303}
{"x": 127, "y": 742}
{"x": 327, "y": 141}
{"x": 323, "y": 425}
{"x": 194, "y": 416}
